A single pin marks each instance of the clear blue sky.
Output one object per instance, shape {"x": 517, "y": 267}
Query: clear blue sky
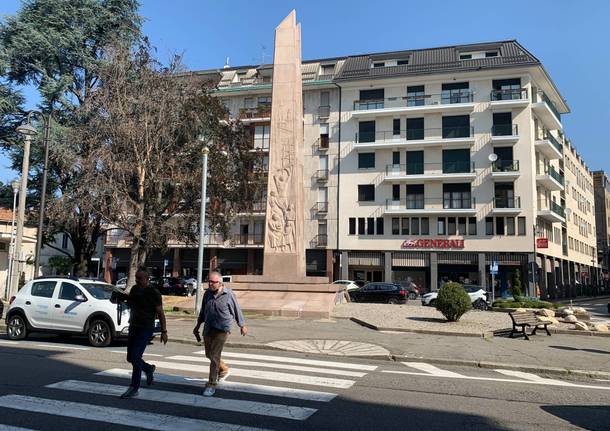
{"x": 570, "y": 38}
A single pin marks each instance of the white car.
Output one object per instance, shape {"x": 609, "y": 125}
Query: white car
{"x": 67, "y": 306}
{"x": 477, "y": 294}
{"x": 349, "y": 285}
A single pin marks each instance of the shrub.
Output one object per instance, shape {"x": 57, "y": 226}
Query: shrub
{"x": 517, "y": 288}
{"x": 453, "y": 301}
{"x": 523, "y": 303}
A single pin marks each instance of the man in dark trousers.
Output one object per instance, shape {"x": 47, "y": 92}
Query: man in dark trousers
{"x": 145, "y": 303}
{"x": 219, "y": 309}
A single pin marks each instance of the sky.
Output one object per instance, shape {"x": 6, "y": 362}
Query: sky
{"x": 570, "y": 38}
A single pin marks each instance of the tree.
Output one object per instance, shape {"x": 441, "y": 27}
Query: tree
{"x": 61, "y": 264}
{"x": 148, "y": 123}
{"x": 453, "y": 301}
{"x": 517, "y": 287}
{"x": 58, "y": 46}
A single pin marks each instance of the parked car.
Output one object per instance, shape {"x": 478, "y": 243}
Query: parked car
{"x": 191, "y": 283}
{"x": 175, "y": 286}
{"x": 67, "y": 305}
{"x": 410, "y": 287}
{"x": 360, "y": 283}
{"x": 1, "y": 308}
{"x": 478, "y": 297}
{"x": 348, "y": 284}
{"x": 388, "y": 293}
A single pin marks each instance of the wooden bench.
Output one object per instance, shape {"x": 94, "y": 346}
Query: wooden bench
{"x": 527, "y": 318}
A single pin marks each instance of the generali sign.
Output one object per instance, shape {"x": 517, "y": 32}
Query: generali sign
{"x": 433, "y": 243}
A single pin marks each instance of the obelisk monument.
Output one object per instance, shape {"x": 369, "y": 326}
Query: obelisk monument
{"x": 284, "y": 254}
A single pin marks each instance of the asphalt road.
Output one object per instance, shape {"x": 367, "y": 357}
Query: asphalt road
{"x": 280, "y": 391}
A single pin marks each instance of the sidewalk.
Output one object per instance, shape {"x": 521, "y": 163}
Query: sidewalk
{"x": 558, "y": 354}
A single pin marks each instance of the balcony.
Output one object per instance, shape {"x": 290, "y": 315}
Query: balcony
{"x": 321, "y": 207}
{"x": 418, "y": 205}
{"x": 417, "y": 172}
{"x": 509, "y": 98}
{"x": 446, "y": 136}
{"x": 551, "y": 212}
{"x": 247, "y": 239}
{"x": 546, "y": 110}
{"x": 323, "y": 111}
{"x": 259, "y": 114}
{"x": 321, "y": 145}
{"x": 260, "y": 146}
{"x": 461, "y": 101}
{"x": 504, "y": 133}
{"x": 506, "y": 205}
{"x": 259, "y": 208}
{"x": 551, "y": 179}
{"x": 505, "y": 169}
{"x": 320, "y": 241}
{"x": 321, "y": 175}
{"x": 549, "y": 146}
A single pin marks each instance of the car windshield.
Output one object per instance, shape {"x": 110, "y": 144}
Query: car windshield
{"x": 472, "y": 289}
{"x": 99, "y": 290}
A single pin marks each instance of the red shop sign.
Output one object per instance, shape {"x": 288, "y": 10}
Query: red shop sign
{"x": 542, "y": 243}
{"x": 433, "y": 243}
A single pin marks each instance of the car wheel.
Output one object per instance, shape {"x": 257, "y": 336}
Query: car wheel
{"x": 479, "y": 304}
{"x": 412, "y": 295}
{"x": 392, "y": 301}
{"x": 17, "y": 328}
{"x": 100, "y": 334}
{"x": 432, "y": 303}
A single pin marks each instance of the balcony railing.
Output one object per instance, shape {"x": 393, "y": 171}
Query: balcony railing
{"x": 320, "y": 240}
{"x": 504, "y": 130}
{"x": 550, "y": 171}
{"x": 445, "y": 98}
{"x": 509, "y": 94}
{"x": 248, "y": 239}
{"x": 262, "y": 111}
{"x": 540, "y": 96}
{"x": 416, "y": 134}
{"x": 321, "y": 207}
{"x": 323, "y": 111}
{"x": 507, "y": 202}
{"x": 457, "y": 167}
{"x": 259, "y": 206}
{"x": 505, "y": 166}
{"x": 419, "y": 202}
{"x": 322, "y": 143}
{"x": 552, "y": 206}
{"x": 321, "y": 175}
{"x": 546, "y": 135}
{"x": 261, "y": 145}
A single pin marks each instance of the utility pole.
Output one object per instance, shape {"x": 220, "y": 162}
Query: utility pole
{"x": 43, "y": 194}
{"x": 204, "y": 183}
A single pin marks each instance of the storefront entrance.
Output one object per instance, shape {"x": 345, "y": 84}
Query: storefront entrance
{"x": 366, "y": 274}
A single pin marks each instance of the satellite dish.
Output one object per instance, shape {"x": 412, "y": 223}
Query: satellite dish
{"x": 493, "y": 157}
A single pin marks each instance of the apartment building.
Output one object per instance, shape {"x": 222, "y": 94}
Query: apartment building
{"x": 601, "y": 187}
{"x": 427, "y": 164}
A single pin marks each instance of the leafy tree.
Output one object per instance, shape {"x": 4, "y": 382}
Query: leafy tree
{"x": 517, "y": 286}
{"x": 453, "y": 301}
{"x": 148, "y": 124}
{"x": 61, "y": 264}
{"x": 58, "y": 47}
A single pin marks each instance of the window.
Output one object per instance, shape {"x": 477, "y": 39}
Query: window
{"x": 425, "y": 226}
{"x": 441, "y": 226}
{"x": 462, "y": 226}
{"x": 366, "y": 192}
{"x": 415, "y": 196}
{"x": 451, "y": 226}
{"x": 415, "y": 128}
{"x": 405, "y": 226}
{"x": 370, "y": 226}
{"x": 456, "y": 126}
{"x": 502, "y": 124}
{"x": 372, "y": 94}
{"x": 505, "y": 159}
{"x": 491, "y": 54}
{"x": 510, "y": 226}
{"x": 472, "y": 226}
{"x": 396, "y": 192}
{"x": 456, "y": 196}
{"x": 465, "y": 56}
{"x": 499, "y": 225}
{"x": 396, "y": 157}
{"x": 249, "y": 103}
{"x": 507, "y": 89}
{"x": 361, "y": 228}
{"x": 455, "y": 161}
{"x": 455, "y": 92}
{"x": 366, "y": 160}
{"x": 264, "y": 102}
{"x": 366, "y": 131}
{"x": 489, "y": 225}
{"x": 327, "y": 69}
{"x": 379, "y": 64}
{"x": 324, "y": 136}
{"x": 325, "y": 95}
{"x": 352, "y": 226}
{"x": 43, "y": 289}
{"x": 64, "y": 241}
{"x": 262, "y": 133}
{"x": 396, "y": 127}
{"x": 402, "y": 62}
{"x": 414, "y": 226}
{"x": 380, "y": 223}
{"x": 68, "y": 291}
{"x": 416, "y": 95}
{"x": 504, "y": 195}
{"x": 395, "y": 226}
{"x": 415, "y": 162}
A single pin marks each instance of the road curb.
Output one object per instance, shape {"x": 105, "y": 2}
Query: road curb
{"x": 486, "y": 334}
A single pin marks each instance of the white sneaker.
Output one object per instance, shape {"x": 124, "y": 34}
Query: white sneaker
{"x": 209, "y": 391}
{"x": 223, "y": 377}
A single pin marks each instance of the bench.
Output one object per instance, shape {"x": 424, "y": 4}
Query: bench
{"x": 527, "y": 318}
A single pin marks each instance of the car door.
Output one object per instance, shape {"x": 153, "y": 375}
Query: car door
{"x": 70, "y": 313}
{"x": 369, "y": 293}
{"x": 39, "y": 305}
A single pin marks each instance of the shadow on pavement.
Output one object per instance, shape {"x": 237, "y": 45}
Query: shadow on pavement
{"x": 603, "y": 352}
{"x": 592, "y": 418}
{"x": 428, "y": 319}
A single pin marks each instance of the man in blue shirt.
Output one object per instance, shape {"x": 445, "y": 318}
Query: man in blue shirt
{"x": 218, "y": 311}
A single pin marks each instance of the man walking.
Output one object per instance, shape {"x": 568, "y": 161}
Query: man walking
{"x": 218, "y": 311}
{"x": 145, "y": 303}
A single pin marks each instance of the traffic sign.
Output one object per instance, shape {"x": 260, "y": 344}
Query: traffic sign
{"x": 493, "y": 268}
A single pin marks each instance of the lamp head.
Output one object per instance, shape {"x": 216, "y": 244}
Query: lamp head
{"x": 15, "y": 185}
{"x": 27, "y": 130}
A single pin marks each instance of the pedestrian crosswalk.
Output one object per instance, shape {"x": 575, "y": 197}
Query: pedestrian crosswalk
{"x": 267, "y": 388}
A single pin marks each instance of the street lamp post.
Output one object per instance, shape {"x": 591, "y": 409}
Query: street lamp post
{"x": 11, "y": 254}
{"x": 43, "y": 195}
{"x": 204, "y": 182}
{"x": 27, "y": 131}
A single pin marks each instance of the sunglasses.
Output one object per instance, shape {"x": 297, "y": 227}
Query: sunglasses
{"x": 213, "y": 282}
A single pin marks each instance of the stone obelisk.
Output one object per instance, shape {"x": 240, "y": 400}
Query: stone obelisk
{"x": 284, "y": 255}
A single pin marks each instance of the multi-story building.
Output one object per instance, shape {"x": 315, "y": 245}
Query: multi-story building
{"x": 428, "y": 164}
{"x": 601, "y": 186}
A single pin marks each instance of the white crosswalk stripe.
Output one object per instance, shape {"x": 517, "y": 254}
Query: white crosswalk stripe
{"x": 227, "y": 385}
{"x": 11, "y": 428}
{"x": 272, "y": 365}
{"x": 112, "y": 415}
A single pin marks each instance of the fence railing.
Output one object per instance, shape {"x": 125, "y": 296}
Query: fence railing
{"x": 509, "y": 94}
{"x": 321, "y": 175}
{"x": 320, "y": 240}
{"x": 552, "y": 206}
{"x": 505, "y": 130}
{"x": 505, "y": 166}
{"x": 321, "y": 207}
{"x": 419, "y": 202}
{"x": 248, "y": 239}
{"x": 448, "y": 97}
{"x": 507, "y": 202}
{"x": 414, "y": 168}
{"x": 540, "y": 96}
{"x": 415, "y": 134}
{"x": 258, "y": 112}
